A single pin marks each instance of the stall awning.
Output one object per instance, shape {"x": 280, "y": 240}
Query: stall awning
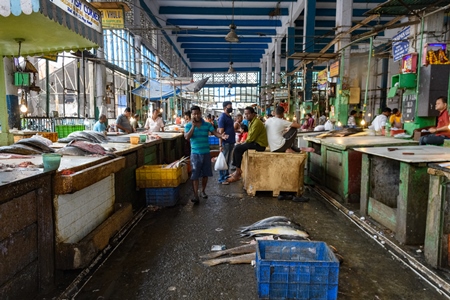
{"x": 48, "y": 26}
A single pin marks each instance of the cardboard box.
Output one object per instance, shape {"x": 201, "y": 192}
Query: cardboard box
{"x": 419, "y": 134}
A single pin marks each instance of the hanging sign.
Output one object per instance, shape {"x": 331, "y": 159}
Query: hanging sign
{"x": 112, "y": 18}
{"x": 334, "y": 69}
{"x": 81, "y": 10}
{"x": 400, "y": 43}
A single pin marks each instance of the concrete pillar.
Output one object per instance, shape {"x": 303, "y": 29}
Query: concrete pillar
{"x": 6, "y": 67}
{"x": 277, "y": 60}
{"x": 290, "y": 48}
{"x": 138, "y": 57}
{"x": 344, "y": 13}
{"x": 269, "y": 68}
{"x": 263, "y": 71}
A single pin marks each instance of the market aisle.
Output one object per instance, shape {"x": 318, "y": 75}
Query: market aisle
{"x": 159, "y": 259}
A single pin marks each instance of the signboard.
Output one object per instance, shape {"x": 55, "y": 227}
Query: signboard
{"x": 400, "y": 43}
{"x": 81, "y": 10}
{"x": 112, "y": 18}
{"x": 334, "y": 69}
{"x": 409, "y": 107}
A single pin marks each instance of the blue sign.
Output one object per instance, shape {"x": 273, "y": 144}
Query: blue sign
{"x": 400, "y": 43}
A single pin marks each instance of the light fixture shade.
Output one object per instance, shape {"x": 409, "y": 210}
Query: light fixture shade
{"x": 230, "y": 69}
{"x": 232, "y": 36}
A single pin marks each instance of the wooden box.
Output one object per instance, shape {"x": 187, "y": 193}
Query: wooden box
{"x": 275, "y": 172}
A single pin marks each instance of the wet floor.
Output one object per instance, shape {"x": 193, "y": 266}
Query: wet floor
{"x": 159, "y": 259}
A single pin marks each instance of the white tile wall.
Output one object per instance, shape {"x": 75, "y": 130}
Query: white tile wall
{"x": 79, "y": 213}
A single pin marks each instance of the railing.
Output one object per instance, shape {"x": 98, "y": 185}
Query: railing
{"x": 48, "y": 124}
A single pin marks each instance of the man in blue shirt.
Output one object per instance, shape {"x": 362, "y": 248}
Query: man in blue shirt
{"x": 197, "y": 132}
{"x": 100, "y": 125}
{"x": 226, "y": 124}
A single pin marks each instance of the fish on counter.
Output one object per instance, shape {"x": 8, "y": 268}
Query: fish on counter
{"x": 19, "y": 149}
{"x": 36, "y": 144}
{"x": 91, "y": 148}
{"x": 71, "y": 151}
{"x": 87, "y": 136}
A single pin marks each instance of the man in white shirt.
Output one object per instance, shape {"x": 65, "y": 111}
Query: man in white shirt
{"x": 281, "y": 133}
{"x": 154, "y": 123}
{"x": 380, "y": 121}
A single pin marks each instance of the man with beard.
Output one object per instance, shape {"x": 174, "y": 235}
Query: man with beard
{"x": 197, "y": 132}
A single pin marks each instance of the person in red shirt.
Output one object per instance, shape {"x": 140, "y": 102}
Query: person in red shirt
{"x": 441, "y": 132}
{"x": 244, "y": 133}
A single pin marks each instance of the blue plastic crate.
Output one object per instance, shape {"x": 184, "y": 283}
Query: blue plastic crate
{"x": 213, "y": 140}
{"x": 162, "y": 196}
{"x": 296, "y": 270}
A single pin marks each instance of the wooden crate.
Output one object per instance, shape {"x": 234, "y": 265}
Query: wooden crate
{"x": 275, "y": 172}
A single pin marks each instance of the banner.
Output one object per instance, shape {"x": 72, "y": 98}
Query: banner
{"x": 81, "y": 10}
{"x": 400, "y": 43}
{"x": 334, "y": 69}
{"x": 112, "y": 18}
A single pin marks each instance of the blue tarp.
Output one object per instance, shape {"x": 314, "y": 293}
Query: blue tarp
{"x": 154, "y": 90}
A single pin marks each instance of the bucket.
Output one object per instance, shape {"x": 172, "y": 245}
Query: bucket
{"x": 143, "y": 138}
{"x": 134, "y": 140}
{"x": 51, "y": 161}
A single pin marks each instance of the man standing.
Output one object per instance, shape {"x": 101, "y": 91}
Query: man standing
{"x": 257, "y": 139}
{"x": 197, "y": 132}
{"x": 100, "y": 125}
{"x": 380, "y": 121}
{"x": 280, "y": 140}
{"x": 154, "y": 123}
{"x": 123, "y": 121}
{"x": 226, "y": 125}
{"x": 441, "y": 132}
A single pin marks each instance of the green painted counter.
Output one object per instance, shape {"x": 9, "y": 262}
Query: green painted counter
{"x": 336, "y": 165}
{"x": 394, "y": 188}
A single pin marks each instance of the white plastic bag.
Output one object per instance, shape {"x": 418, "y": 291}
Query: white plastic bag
{"x": 221, "y": 163}
{"x": 329, "y": 125}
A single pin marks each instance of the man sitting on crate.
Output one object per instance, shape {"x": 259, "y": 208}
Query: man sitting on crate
{"x": 256, "y": 139}
{"x": 281, "y": 134}
{"x": 197, "y": 132}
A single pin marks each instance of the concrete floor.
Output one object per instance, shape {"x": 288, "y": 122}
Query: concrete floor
{"x": 159, "y": 259}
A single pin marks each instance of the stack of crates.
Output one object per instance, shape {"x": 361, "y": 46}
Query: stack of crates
{"x": 162, "y": 185}
{"x": 213, "y": 140}
{"x": 64, "y": 130}
{"x": 296, "y": 270}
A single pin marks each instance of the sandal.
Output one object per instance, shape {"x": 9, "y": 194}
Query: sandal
{"x": 233, "y": 179}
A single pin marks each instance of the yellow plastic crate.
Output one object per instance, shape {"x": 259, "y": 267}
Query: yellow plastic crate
{"x": 157, "y": 176}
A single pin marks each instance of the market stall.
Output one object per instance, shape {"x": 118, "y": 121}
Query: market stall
{"x": 337, "y": 166}
{"x": 394, "y": 187}
{"x": 437, "y": 234}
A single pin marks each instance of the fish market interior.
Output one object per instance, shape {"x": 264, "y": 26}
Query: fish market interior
{"x": 222, "y": 149}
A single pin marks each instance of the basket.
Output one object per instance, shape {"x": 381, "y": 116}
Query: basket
{"x": 296, "y": 270}
{"x": 156, "y": 176}
{"x": 162, "y": 196}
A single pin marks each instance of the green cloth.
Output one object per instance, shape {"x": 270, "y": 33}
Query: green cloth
{"x": 257, "y": 133}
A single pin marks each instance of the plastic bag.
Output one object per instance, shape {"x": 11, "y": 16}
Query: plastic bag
{"x": 329, "y": 125}
{"x": 221, "y": 163}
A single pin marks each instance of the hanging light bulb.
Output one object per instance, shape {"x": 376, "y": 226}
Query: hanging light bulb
{"x": 339, "y": 124}
{"x": 161, "y": 110}
{"x": 363, "y": 122}
{"x": 369, "y": 114}
{"x": 232, "y": 36}
{"x": 23, "y": 105}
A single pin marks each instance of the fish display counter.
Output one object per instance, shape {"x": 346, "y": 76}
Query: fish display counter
{"x": 394, "y": 187}
{"x": 337, "y": 166}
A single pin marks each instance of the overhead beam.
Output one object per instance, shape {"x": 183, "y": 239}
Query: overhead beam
{"x": 220, "y": 11}
{"x": 223, "y": 22}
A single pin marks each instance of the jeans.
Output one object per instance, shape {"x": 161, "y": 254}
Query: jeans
{"x": 227, "y": 151}
{"x": 290, "y": 138}
{"x": 432, "y": 139}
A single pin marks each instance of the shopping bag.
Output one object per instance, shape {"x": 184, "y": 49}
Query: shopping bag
{"x": 221, "y": 163}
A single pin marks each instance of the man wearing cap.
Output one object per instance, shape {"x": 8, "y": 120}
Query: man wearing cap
{"x": 123, "y": 121}
{"x": 226, "y": 125}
